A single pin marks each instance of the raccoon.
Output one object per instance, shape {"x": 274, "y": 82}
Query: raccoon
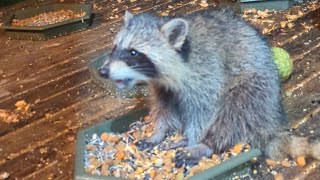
{"x": 211, "y": 78}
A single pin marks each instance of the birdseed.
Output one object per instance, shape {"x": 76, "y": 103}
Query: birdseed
{"x": 45, "y": 19}
{"x": 116, "y": 155}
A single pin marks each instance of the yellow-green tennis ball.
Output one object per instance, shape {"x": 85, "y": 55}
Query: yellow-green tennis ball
{"x": 283, "y": 61}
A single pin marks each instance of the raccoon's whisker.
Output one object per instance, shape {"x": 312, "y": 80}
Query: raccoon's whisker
{"x": 141, "y": 66}
{"x": 150, "y": 72}
{"x": 142, "y": 69}
{"x": 147, "y": 73}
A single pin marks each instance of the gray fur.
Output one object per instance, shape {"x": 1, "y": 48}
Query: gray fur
{"x": 221, "y": 90}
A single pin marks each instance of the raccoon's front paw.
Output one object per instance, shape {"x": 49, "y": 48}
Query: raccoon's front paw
{"x": 144, "y": 145}
{"x": 184, "y": 157}
{"x": 174, "y": 145}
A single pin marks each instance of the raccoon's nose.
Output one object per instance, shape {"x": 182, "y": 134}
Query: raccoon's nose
{"x": 104, "y": 72}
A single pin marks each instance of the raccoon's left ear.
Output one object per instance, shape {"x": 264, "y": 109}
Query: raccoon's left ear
{"x": 175, "y": 31}
{"x": 127, "y": 16}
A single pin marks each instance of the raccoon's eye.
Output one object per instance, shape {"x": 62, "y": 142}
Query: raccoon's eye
{"x": 134, "y": 52}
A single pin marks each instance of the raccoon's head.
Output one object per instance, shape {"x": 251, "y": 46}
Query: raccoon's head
{"x": 146, "y": 48}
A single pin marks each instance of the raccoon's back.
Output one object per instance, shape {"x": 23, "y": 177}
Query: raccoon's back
{"x": 222, "y": 37}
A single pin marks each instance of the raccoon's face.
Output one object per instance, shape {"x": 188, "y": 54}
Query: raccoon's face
{"x": 128, "y": 67}
{"x": 137, "y": 53}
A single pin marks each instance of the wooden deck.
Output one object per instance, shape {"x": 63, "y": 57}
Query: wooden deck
{"x": 53, "y": 77}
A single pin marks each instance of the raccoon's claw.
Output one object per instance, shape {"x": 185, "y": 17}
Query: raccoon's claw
{"x": 144, "y": 145}
{"x": 185, "y": 158}
{"x": 175, "y": 145}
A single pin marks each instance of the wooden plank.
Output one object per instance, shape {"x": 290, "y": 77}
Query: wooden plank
{"x": 39, "y": 65}
{"x": 303, "y": 45}
{"x": 304, "y": 71}
{"x": 24, "y": 4}
{"x": 15, "y": 146}
{"x": 50, "y": 166}
{"x": 32, "y": 3}
{"x": 62, "y": 43}
{"x": 159, "y": 5}
{"x": 299, "y": 103}
{"x": 6, "y": 10}
{"x": 51, "y": 105}
{"x": 72, "y": 110}
{"x": 310, "y": 127}
{"x": 34, "y": 92}
{"x": 301, "y": 27}
{"x": 308, "y": 172}
{"x": 18, "y": 135}
{"x": 272, "y": 21}
{"x": 6, "y": 102}
{"x": 189, "y": 8}
{"x": 46, "y": 75}
{"x": 102, "y": 22}
{"x": 57, "y": 56}
{"x": 46, "y": 86}
{"x": 25, "y": 85}
{"x": 35, "y": 161}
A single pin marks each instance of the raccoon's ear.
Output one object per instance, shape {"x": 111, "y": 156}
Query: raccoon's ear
{"x": 175, "y": 31}
{"x": 127, "y": 16}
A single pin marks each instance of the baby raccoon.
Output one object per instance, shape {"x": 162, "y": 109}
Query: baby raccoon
{"x": 211, "y": 78}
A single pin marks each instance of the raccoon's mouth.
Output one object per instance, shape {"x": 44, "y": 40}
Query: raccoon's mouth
{"x": 122, "y": 83}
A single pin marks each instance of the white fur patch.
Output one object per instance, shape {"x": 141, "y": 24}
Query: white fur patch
{"x": 119, "y": 70}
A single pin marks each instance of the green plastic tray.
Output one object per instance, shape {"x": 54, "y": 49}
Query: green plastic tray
{"x": 235, "y": 166}
{"x": 8, "y": 2}
{"x": 49, "y": 31}
{"x": 266, "y": 4}
{"x": 138, "y": 91}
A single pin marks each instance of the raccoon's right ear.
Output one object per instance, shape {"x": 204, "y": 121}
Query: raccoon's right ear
{"x": 127, "y": 16}
{"x": 175, "y": 31}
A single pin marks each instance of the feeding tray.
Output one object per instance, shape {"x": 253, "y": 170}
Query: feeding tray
{"x": 138, "y": 91}
{"x": 47, "y": 31}
{"x": 8, "y": 2}
{"x": 266, "y": 4}
{"x": 235, "y": 166}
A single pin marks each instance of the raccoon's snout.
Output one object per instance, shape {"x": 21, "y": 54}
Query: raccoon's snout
{"x": 104, "y": 72}
{"x": 122, "y": 83}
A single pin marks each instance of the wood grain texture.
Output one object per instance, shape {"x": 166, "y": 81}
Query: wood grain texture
{"x": 53, "y": 76}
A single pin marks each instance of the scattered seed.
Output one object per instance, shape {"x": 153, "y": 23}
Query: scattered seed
{"x": 180, "y": 176}
{"x": 278, "y": 176}
{"x": 136, "y": 9}
{"x": 283, "y": 24}
{"x": 270, "y": 162}
{"x": 45, "y": 19}
{"x": 120, "y": 155}
{"x": 262, "y": 14}
{"x": 204, "y": 3}
{"x": 301, "y": 161}
{"x": 254, "y": 171}
{"x": 104, "y": 136}
{"x": 139, "y": 170}
{"x": 292, "y": 17}
{"x": 266, "y": 30}
{"x": 290, "y": 25}
{"x": 4, "y": 175}
{"x": 112, "y": 154}
{"x": 237, "y": 148}
{"x": 286, "y": 163}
